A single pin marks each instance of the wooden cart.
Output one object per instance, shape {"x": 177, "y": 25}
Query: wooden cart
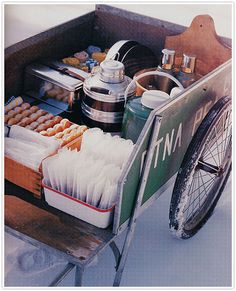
{"x": 190, "y": 136}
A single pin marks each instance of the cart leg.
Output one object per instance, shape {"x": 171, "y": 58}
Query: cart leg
{"x": 78, "y": 276}
{"x": 133, "y": 219}
{"x": 123, "y": 257}
{"x": 62, "y": 276}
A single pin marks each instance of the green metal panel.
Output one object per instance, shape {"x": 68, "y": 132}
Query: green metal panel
{"x": 178, "y": 125}
{"x": 131, "y": 183}
{"x": 180, "y": 120}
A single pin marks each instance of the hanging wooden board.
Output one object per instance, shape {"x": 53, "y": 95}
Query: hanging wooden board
{"x": 201, "y": 40}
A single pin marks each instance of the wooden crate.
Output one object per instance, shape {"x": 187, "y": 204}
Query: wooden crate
{"x": 28, "y": 178}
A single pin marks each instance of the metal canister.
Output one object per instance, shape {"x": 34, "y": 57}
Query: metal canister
{"x": 103, "y": 101}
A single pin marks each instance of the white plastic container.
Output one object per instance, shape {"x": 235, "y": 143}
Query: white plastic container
{"x": 101, "y": 218}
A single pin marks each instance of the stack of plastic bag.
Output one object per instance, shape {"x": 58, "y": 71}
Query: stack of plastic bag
{"x": 28, "y": 147}
{"x": 90, "y": 175}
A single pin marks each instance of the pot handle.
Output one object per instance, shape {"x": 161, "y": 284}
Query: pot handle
{"x": 156, "y": 73}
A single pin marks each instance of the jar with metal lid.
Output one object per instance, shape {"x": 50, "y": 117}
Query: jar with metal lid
{"x": 103, "y": 101}
{"x": 187, "y": 75}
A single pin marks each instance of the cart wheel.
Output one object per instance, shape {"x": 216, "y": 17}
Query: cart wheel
{"x": 203, "y": 173}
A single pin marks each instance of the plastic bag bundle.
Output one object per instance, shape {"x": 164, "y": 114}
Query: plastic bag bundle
{"x": 82, "y": 176}
{"x": 112, "y": 149}
{"x": 28, "y": 147}
{"x": 90, "y": 175}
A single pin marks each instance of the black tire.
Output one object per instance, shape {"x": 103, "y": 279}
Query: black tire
{"x": 206, "y": 166}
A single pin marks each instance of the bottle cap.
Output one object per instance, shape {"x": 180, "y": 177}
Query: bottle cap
{"x": 154, "y": 98}
{"x": 188, "y": 63}
{"x": 112, "y": 71}
{"x": 168, "y": 58}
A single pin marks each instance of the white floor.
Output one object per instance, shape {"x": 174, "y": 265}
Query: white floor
{"x": 155, "y": 257}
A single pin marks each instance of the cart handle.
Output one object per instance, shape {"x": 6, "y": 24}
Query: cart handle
{"x": 157, "y": 73}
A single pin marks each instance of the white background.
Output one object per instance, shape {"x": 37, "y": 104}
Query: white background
{"x": 25, "y": 20}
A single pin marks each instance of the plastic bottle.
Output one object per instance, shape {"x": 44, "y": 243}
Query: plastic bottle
{"x": 186, "y": 75}
{"x": 137, "y": 111}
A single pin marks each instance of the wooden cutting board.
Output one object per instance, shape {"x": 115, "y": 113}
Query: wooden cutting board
{"x": 200, "y": 39}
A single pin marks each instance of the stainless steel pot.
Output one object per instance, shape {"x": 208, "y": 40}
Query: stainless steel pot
{"x": 133, "y": 55}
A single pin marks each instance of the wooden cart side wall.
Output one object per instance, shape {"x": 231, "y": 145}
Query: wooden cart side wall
{"x": 180, "y": 119}
{"x": 58, "y": 42}
{"x": 114, "y": 24}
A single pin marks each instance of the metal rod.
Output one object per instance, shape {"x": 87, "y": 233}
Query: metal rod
{"x": 143, "y": 182}
{"x": 79, "y": 276}
{"x": 116, "y": 252}
{"x": 69, "y": 267}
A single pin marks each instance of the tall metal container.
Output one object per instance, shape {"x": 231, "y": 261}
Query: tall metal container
{"x": 103, "y": 101}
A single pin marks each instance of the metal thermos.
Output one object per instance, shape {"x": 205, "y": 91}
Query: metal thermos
{"x": 103, "y": 101}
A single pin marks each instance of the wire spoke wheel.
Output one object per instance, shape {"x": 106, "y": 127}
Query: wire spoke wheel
{"x": 203, "y": 173}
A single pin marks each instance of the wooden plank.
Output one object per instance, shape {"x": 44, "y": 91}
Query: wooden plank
{"x": 23, "y": 176}
{"x": 200, "y": 39}
{"x": 64, "y": 233}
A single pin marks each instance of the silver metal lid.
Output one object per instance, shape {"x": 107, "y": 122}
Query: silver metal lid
{"x": 52, "y": 76}
{"x": 168, "y": 58}
{"x": 188, "y": 63}
{"x": 112, "y": 71}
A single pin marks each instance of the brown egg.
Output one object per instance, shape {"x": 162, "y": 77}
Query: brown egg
{"x": 49, "y": 116}
{"x": 57, "y": 119}
{"x": 33, "y": 109}
{"x": 26, "y": 113}
{"x": 58, "y": 128}
{"x": 59, "y": 135}
{"x": 12, "y": 121}
{"x": 6, "y": 118}
{"x": 67, "y": 130}
{"x": 25, "y": 121}
{"x": 41, "y": 127}
{"x": 83, "y": 128}
{"x": 33, "y": 117}
{"x": 65, "y": 123}
{"x": 44, "y": 132}
{"x": 73, "y": 126}
{"x": 25, "y": 106}
{"x": 18, "y": 109}
{"x": 41, "y": 112}
{"x": 18, "y": 117}
{"x": 34, "y": 125}
{"x": 51, "y": 131}
{"x": 11, "y": 113}
{"x": 49, "y": 123}
{"x": 41, "y": 119}
{"x": 66, "y": 139}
